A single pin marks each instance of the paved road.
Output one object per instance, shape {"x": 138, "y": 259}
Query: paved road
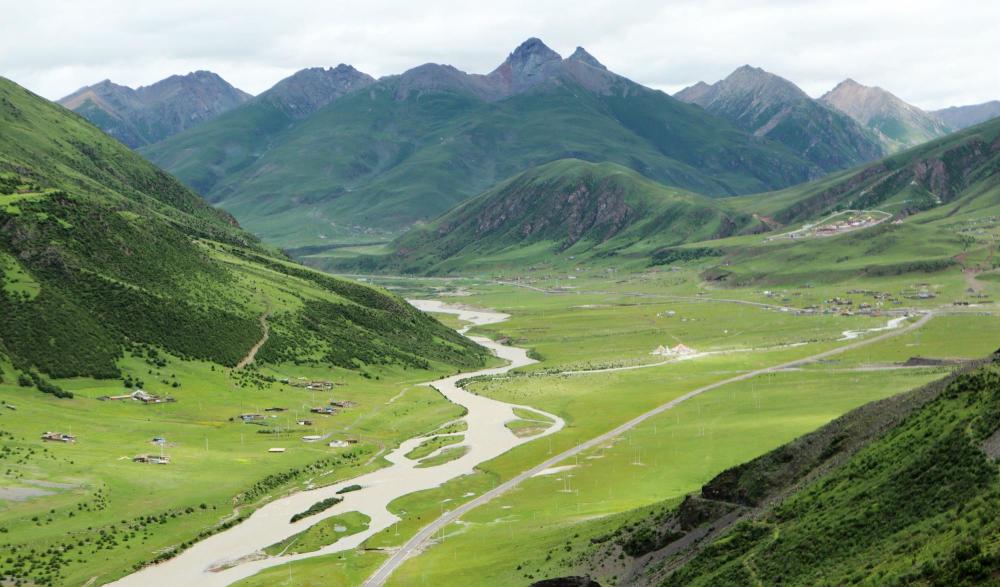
{"x": 414, "y": 544}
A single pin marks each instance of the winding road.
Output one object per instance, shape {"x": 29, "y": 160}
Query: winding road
{"x": 418, "y": 541}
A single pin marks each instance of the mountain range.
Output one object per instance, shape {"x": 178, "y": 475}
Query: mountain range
{"x": 408, "y": 147}
{"x": 152, "y": 113}
{"x": 770, "y": 106}
{"x": 959, "y": 117}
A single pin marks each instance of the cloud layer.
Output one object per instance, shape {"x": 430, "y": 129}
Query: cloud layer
{"x": 932, "y": 53}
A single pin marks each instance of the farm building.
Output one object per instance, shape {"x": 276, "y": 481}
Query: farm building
{"x": 152, "y": 459}
{"x": 58, "y": 437}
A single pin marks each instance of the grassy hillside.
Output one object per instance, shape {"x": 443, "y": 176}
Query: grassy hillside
{"x": 102, "y": 251}
{"x": 568, "y": 208}
{"x": 405, "y": 150}
{"x": 114, "y": 277}
{"x": 904, "y": 491}
{"x": 935, "y": 174}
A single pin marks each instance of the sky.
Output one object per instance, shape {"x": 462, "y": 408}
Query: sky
{"x": 931, "y": 53}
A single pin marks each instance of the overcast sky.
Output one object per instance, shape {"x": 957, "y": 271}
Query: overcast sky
{"x": 931, "y": 53}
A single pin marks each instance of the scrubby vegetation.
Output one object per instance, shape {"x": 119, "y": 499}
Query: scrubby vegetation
{"x": 918, "y": 505}
{"x": 319, "y": 506}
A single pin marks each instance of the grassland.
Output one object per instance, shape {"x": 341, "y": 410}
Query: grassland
{"x": 601, "y": 320}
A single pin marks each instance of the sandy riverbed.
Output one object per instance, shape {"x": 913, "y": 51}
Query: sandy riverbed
{"x": 486, "y": 437}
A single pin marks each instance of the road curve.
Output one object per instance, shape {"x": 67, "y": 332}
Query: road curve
{"x": 415, "y": 543}
{"x": 237, "y": 552}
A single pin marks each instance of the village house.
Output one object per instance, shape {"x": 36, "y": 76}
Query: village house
{"x": 152, "y": 459}
{"x": 325, "y": 410}
{"x": 58, "y": 437}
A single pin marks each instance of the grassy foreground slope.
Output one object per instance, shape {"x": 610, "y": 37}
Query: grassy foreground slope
{"x": 568, "y": 207}
{"x": 101, "y": 251}
{"x": 113, "y": 277}
{"x": 903, "y": 491}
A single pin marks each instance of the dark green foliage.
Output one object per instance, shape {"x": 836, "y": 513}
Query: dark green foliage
{"x": 375, "y": 329}
{"x": 920, "y": 504}
{"x": 114, "y": 256}
{"x": 349, "y": 489}
{"x": 316, "y": 508}
{"x": 46, "y": 386}
{"x": 669, "y": 255}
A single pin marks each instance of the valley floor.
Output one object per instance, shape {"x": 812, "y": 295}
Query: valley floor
{"x": 623, "y": 430}
{"x": 641, "y": 430}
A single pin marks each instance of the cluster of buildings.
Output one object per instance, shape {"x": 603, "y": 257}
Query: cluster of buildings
{"x": 139, "y": 395}
{"x": 680, "y": 350}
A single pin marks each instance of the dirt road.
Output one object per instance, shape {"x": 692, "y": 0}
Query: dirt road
{"x": 420, "y": 539}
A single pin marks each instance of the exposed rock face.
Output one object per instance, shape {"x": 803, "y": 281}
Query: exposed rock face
{"x": 149, "y": 114}
{"x": 773, "y": 107}
{"x": 959, "y": 117}
{"x": 308, "y": 90}
{"x": 900, "y": 125}
{"x": 582, "y": 56}
{"x": 531, "y": 63}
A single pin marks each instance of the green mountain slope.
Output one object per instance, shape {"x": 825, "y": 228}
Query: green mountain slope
{"x": 941, "y": 173}
{"x": 569, "y": 208}
{"x": 936, "y": 202}
{"x": 905, "y": 491}
{"x": 205, "y": 154}
{"x": 409, "y": 147}
{"x": 102, "y": 255}
{"x": 773, "y": 107}
{"x": 151, "y": 113}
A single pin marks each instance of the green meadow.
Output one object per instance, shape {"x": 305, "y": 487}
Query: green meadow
{"x": 541, "y": 528}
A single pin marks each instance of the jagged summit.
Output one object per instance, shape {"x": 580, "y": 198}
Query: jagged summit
{"x": 531, "y": 54}
{"x": 583, "y": 56}
{"x": 527, "y": 65}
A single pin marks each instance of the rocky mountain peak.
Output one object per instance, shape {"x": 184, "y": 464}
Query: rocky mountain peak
{"x": 583, "y": 56}
{"x": 528, "y": 65}
{"x": 530, "y": 55}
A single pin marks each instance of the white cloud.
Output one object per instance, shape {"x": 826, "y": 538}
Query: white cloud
{"x": 932, "y": 53}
